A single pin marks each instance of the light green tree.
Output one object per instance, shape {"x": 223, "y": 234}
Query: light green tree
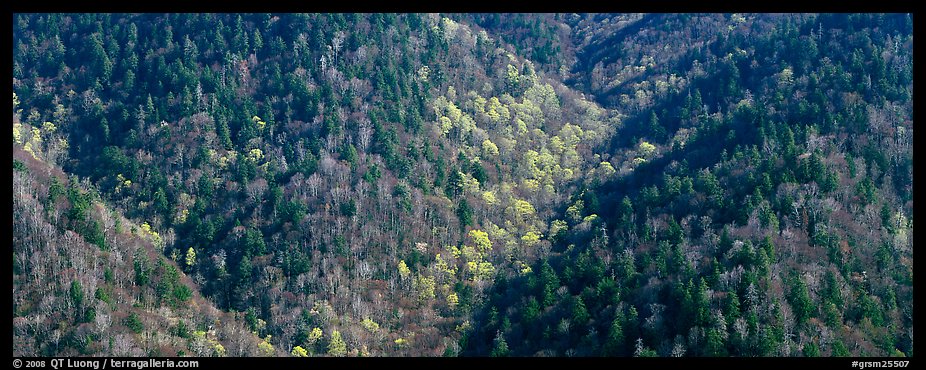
{"x": 259, "y": 123}
{"x": 314, "y": 336}
{"x": 523, "y": 208}
{"x": 255, "y": 154}
{"x": 606, "y": 170}
{"x": 489, "y": 149}
{"x": 531, "y": 238}
{"x": 647, "y": 149}
{"x": 337, "y": 347}
{"x": 425, "y": 286}
{"x": 512, "y": 77}
{"x": 558, "y": 225}
{"x": 298, "y": 351}
{"x": 370, "y": 325}
{"x": 404, "y": 271}
{"x": 481, "y": 240}
{"x": 489, "y": 198}
{"x": 266, "y": 349}
{"x": 190, "y": 257}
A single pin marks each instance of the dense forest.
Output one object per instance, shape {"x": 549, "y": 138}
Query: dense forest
{"x": 462, "y": 184}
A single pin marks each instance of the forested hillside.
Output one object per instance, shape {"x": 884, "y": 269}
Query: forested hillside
{"x": 462, "y": 184}
{"x": 87, "y": 281}
{"x": 775, "y": 220}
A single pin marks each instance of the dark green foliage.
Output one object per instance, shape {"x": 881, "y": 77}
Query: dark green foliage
{"x": 549, "y": 283}
{"x": 77, "y": 293}
{"x": 614, "y": 344}
{"x": 479, "y": 172}
{"x": 579, "y": 312}
{"x": 811, "y": 350}
{"x": 500, "y": 348}
{"x": 531, "y": 311}
{"x": 19, "y": 166}
{"x": 801, "y": 303}
{"x": 142, "y": 271}
{"x": 134, "y": 323}
{"x": 182, "y": 293}
{"x": 454, "y": 184}
{"x": 292, "y": 211}
{"x": 253, "y": 243}
{"x": 102, "y": 295}
{"x": 464, "y": 213}
{"x": 349, "y": 208}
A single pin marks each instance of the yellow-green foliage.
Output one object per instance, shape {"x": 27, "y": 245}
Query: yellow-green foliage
{"x": 298, "y": 351}
{"x": 464, "y": 327}
{"x": 182, "y": 216}
{"x": 523, "y": 208}
{"x": 34, "y": 116}
{"x": 451, "y": 116}
{"x": 151, "y": 235}
{"x": 404, "y": 272}
{"x": 256, "y": 154}
{"x": 646, "y": 149}
{"x": 496, "y": 232}
{"x": 575, "y": 210}
{"x": 530, "y": 184}
{"x": 531, "y": 238}
{"x": 314, "y": 336}
{"x": 28, "y": 149}
{"x": 445, "y": 125}
{"x": 489, "y": 149}
{"x": 17, "y": 133}
{"x": 605, "y": 170}
{"x": 480, "y": 270}
{"x": 470, "y": 184}
{"x": 449, "y": 27}
{"x": 122, "y": 183}
{"x": 558, "y": 225}
{"x": 259, "y": 122}
{"x": 337, "y": 347}
{"x": 425, "y": 285}
{"x": 497, "y": 112}
{"x": 190, "y": 257}
{"x": 443, "y": 269}
{"x": 489, "y": 198}
{"x": 266, "y": 349}
{"x": 481, "y": 240}
{"x": 523, "y": 268}
{"x": 452, "y": 300}
{"x": 470, "y": 253}
{"x": 543, "y": 95}
{"x": 512, "y": 75}
{"x": 370, "y": 325}
{"x": 423, "y": 73}
{"x": 203, "y": 345}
